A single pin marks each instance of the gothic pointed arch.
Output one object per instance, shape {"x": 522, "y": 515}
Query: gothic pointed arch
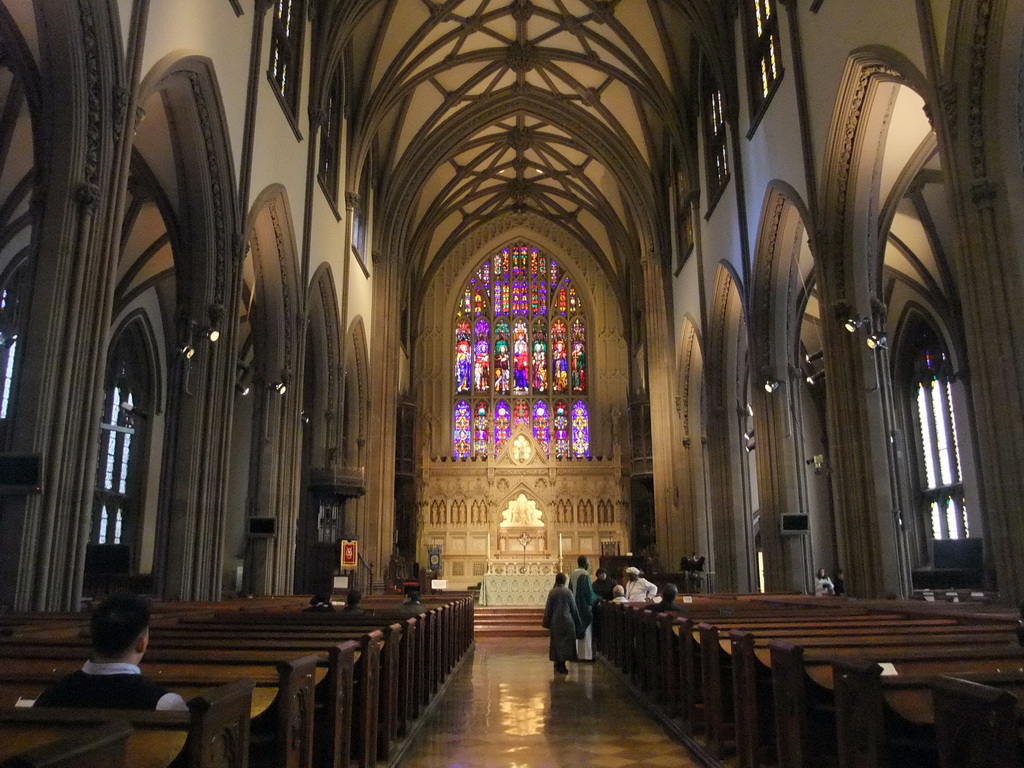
{"x": 729, "y": 383}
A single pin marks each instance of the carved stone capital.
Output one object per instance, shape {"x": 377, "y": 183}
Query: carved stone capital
{"x": 351, "y": 201}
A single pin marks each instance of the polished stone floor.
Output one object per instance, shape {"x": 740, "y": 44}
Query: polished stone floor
{"x": 507, "y": 709}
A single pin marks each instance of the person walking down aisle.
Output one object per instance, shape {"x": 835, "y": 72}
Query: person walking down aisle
{"x": 585, "y": 599}
{"x": 562, "y": 620}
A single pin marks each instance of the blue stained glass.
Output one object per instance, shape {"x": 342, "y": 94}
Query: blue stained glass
{"x": 462, "y": 421}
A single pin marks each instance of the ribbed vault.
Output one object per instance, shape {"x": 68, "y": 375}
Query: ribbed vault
{"x": 467, "y": 110}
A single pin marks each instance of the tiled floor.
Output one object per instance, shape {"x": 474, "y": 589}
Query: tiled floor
{"x": 507, "y": 709}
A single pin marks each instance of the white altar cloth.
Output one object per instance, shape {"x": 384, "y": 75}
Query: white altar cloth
{"x": 516, "y": 588}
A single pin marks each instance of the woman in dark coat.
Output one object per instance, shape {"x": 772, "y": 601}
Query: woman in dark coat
{"x": 563, "y": 620}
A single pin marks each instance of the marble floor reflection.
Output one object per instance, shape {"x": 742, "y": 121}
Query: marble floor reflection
{"x": 507, "y": 709}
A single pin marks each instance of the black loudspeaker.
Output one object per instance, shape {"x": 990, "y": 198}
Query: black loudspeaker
{"x": 794, "y": 523}
{"x": 963, "y": 554}
{"x": 264, "y": 527}
{"x": 20, "y": 473}
{"x": 107, "y": 559}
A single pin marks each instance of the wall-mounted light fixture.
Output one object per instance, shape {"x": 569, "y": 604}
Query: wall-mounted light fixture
{"x": 280, "y": 387}
{"x": 814, "y": 357}
{"x": 242, "y": 389}
{"x": 876, "y": 341}
{"x": 815, "y": 378}
{"x": 186, "y": 350}
{"x": 771, "y": 385}
{"x": 851, "y": 323}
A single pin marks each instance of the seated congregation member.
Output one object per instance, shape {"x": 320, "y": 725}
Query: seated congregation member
{"x": 352, "y": 602}
{"x": 111, "y": 679}
{"x": 668, "y": 602}
{"x": 619, "y": 594}
{"x": 638, "y": 589}
{"x": 320, "y": 601}
{"x": 411, "y": 606}
{"x": 562, "y": 619}
{"x": 603, "y": 586}
{"x": 823, "y": 584}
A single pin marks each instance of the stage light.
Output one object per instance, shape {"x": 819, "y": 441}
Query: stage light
{"x": 853, "y": 323}
{"x": 242, "y": 389}
{"x": 815, "y": 357}
{"x": 771, "y": 385}
{"x": 187, "y": 350}
{"x": 280, "y": 387}
{"x": 876, "y": 341}
{"x": 815, "y": 378}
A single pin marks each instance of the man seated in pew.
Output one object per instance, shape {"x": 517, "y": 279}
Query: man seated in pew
{"x": 668, "y": 602}
{"x": 352, "y": 603}
{"x": 111, "y": 679}
{"x": 638, "y": 589}
{"x": 619, "y": 594}
{"x": 411, "y": 606}
{"x": 320, "y": 601}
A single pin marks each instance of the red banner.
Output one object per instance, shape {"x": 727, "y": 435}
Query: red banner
{"x": 349, "y": 554}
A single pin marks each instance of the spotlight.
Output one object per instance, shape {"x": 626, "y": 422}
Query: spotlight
{"x": 815, "y": 378}
{"x": 187, "y": 350}
{"x": 304, "y": 417}
{"x": 876, "y": 341}
{"x": 748, "y": 436}
{"x": 853, "y": 323}
{"x": 211, "y": 333}
{"x": 242, "y": 389}
{"x": 771, "y": 385}
{"x": 815, "y": 357}
{"x": 280, "y": 387}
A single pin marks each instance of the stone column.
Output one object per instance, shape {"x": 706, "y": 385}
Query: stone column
{"x": 674, "y": 536}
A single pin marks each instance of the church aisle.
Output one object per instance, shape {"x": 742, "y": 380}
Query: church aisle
{"x": 507, "y": 709}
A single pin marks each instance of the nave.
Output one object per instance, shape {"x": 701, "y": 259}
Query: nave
{"x": 505, "y": 708}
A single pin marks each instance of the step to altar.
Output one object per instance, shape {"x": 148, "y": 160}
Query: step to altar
{"x": 508, "y": 622}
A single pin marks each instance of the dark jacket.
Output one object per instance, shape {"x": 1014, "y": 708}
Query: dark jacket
{"x": 102, "y": 691}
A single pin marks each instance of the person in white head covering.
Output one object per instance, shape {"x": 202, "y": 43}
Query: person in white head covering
{"x": 638, "y": 589}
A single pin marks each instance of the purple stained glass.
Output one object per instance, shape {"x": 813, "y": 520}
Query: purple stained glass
{"x": 560, "y": 423}
{"x": 502, "y": 359}
{"x": 580, "y": 430}
{"x": 461, "y": 432}
{"x": 541, "y": 424}
{"x": 502, "y": 425}
{"x": 539, "y": 357}
{"x": 481, "y": 429}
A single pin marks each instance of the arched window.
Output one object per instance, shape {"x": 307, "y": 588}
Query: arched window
{"x": 12, "y": 290}
{"x": 287, "y": 24}
{"x": 520, "y": 351}
{"x": 764, "y": 57}
{"x": 127, "y": 405}
{"x": 928, "y": 385}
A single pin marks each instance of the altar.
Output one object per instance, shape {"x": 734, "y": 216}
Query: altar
{"x": 518, "y": 584}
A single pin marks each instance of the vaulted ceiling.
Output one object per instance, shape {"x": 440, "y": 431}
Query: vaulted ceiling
{"x": 573, "y": 110}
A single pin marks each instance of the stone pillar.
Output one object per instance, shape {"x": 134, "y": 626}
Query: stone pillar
{"x": 378, "y": 532}
{"x": 674, "y": 536}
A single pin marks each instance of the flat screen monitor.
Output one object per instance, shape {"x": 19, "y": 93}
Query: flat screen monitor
{"x": 21, "y": 473}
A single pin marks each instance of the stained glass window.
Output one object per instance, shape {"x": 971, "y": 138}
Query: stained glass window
{"x": 519, "y": 330}
{"x": 580, "y": 430}
{"x": 502, "y": 424}
{"x": 462, "y": 430}
{"x": 287, "y": 23}
{"x": 541, "y": 423}
{"x": 940, "y": 481}
{"x": 123, "y": 438}
{"x": 764, "y": 63}
{"x": 481, "y": 429}
{"x": 560, "y": 423}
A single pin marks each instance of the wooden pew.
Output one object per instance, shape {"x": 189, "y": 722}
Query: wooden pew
{"x": 98, "y": 747}
{"x": 214, "y": 733}
{"x": 976, "y": 725}
{"x": 285, "y": 688}
{"x": 805, "y": 705}
{"x": 890, "y": 720}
